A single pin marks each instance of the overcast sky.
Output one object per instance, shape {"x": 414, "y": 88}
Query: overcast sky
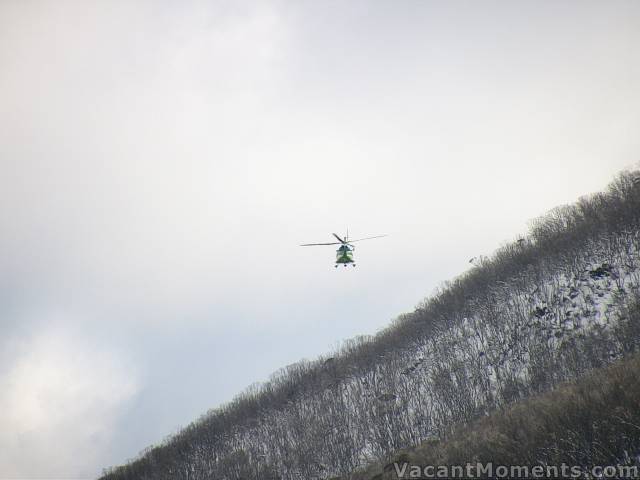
{"x": 161, "y": 161}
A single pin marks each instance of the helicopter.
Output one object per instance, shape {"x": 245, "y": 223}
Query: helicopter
{"x": 344, "y": 253}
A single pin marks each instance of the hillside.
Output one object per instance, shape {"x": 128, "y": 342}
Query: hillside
{"x": 540, "y": 311}
{"x": 590, "y": 423}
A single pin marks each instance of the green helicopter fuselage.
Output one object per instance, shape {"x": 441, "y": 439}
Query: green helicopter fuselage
{"x": 344, "y": 254}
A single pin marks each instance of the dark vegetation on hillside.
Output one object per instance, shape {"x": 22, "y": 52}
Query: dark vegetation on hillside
{"x": 542, "y": 310}
{"x": 594, "y": 421}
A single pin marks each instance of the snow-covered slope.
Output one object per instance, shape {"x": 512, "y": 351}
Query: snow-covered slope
{"x": 544, "y": 309}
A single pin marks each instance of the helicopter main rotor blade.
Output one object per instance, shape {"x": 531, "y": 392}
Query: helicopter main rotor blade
{"x": 341, "y": 240}
{"x": 366, "y": 238}
{"x": 315, "y": 244}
